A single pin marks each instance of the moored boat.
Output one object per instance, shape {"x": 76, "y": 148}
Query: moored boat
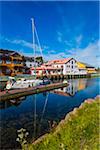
{"x": 22, "y": 83}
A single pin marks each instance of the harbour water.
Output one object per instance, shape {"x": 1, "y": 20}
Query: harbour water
{"x": 38, "y": 113}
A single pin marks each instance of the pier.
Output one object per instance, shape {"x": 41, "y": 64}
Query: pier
{"x": 13, "y": 94}
{"x": 61, "y": 76}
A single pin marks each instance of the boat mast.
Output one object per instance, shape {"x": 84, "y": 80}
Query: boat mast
{"x": 33, "y": 44}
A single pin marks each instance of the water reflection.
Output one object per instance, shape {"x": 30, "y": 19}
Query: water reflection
{"x": 37, "y": 113}
{"x": 73, "y": 87}
{"x": 30, "y": 117}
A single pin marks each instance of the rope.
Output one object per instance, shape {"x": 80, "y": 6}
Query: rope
{"x": 40, "y": 48}
{"x": 33, "y": 45}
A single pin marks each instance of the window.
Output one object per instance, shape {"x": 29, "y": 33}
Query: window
{"x": 8, "y": 61}
{"x": 43, "y": 71}
{"x": 72, "y": 67}
{"x": 0, "y": 58}
{"x": 72, "y": 62}
{"x": 37, "y": 71}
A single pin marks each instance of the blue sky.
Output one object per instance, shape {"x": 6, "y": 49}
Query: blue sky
{"x": 65, "y": 29}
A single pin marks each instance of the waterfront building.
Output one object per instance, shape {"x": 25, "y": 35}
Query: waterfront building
{"x": 82, "y": 68}
{"x": 90, "y": 69}
{"x": 68, "y": 65}
{"x": 29, "y": 61}
{"x": 11, "y": 63}
{"x": 45, "y": 70}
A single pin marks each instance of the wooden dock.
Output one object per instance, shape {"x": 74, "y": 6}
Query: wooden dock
{"x": 13, "y": 94}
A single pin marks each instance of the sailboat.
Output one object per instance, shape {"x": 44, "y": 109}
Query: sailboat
{"x": 23, "y": 82}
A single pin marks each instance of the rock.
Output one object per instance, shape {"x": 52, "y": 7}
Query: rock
{"x": 97, "y": 97}
{"x": 89, "y": 101}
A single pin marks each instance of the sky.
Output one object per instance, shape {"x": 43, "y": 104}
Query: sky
{"x": 65, "y": 29}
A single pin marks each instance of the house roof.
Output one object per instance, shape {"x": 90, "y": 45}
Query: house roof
{"x": 59, "y": 61}
{"x": 87, "y": 65}
{"x": 81, "y": 65}
{"x": 9, "y": 52}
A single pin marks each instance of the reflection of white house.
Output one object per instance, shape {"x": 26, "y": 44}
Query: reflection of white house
{"x": 73, "y": 87}
{"x": 76, "y": 85}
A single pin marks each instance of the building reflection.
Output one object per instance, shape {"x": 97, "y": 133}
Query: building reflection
{"x": 73, "y": 87}
{"x": 38, "y": 113}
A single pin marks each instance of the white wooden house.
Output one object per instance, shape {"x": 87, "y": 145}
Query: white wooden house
{"x": 68, "y": 65}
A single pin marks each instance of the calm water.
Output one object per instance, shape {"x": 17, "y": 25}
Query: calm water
{"x": 36, "y": 113}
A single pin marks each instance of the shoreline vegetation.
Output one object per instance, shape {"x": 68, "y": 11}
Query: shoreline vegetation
{"x": 78, "y": 131}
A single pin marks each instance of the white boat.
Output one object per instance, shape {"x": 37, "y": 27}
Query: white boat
{"x": 22, "y": 83}
{"x": 25, "y": 83}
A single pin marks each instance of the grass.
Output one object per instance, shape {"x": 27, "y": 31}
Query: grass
{"x": 78, "y": 131}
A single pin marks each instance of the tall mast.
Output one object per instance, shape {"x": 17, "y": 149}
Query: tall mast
{"x": 33, "y": 34}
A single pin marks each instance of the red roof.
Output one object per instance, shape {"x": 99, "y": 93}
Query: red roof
{"x": 59, "y": 61}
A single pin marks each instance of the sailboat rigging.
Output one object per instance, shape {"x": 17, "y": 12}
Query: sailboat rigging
{"x": 23, "y": 82}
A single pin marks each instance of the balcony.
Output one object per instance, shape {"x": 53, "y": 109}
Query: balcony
{"x": 16, "y": 58}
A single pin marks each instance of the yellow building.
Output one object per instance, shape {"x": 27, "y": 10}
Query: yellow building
{"x": 82, "y": 68}
{"x": 11, "y": 63}
{"x": 81, "y": 65}
{"x": 90, "y": 69}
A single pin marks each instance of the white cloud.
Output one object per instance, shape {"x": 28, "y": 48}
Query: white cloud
{"x": 89, "y": 54}
{"x": 59, "y": 36}
{"x": 55, "y": 56}
{"x": 79, "y": 39}
{"x": 68, "y": 43}
{"x": 24, "y": 43}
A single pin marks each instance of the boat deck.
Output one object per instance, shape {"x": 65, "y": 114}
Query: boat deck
{"x": 13, "y": 94}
